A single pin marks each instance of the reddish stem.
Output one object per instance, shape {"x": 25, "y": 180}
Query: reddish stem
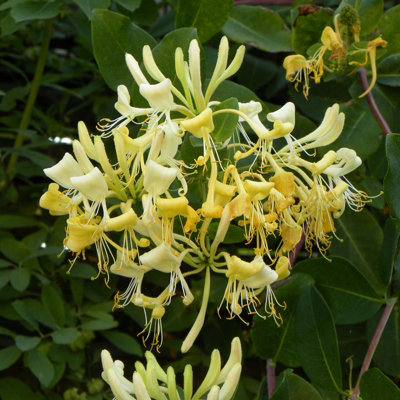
{"x": 372, "y": 346}
{"x": 372, "y": 103}
{"x": 270, "y": 377}
{"x": 293, "y": 255}
{"x": 262, "y": 2}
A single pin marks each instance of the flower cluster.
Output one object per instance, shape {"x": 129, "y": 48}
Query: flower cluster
{"x": 152, "y": 382}
{"x": 133, "y": 205}
{"x": 340, "y": 47}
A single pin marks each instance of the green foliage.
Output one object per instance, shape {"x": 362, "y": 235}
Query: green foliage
{"x": 55, "y": 320}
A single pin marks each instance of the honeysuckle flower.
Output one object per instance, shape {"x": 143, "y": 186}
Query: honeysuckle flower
{"x": 298, "y": 70}
{"x": 152, "y": 382}
{"x": 58, "y": 203}
{"x": 129, "y": 269}
{"x": 163, "y": 259}
{"x": 64, "y": 170}
{"x": 245, "y": 279}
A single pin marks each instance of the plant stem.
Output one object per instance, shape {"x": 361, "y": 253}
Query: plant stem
{"x": 373, "y": 345}
{"x": 262, "y": 2}
{"x": 270, "y": 377}
{"x": 34, "y": 88}
{"x": 372, "y": 103}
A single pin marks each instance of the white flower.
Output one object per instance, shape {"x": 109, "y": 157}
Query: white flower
{"x": 92, "y": 185}
{"x": 159, "y": 96}
{"x": 64, "y": 170}
{"x": 157, "y": 178}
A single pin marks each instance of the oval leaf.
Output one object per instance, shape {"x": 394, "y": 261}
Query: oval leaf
{"x": 124, "y": 342}
{"x": 375, "y": 385}
{"x": 208, "y": 16}
{"x": 25, "y": 343}
{"x": 317, "y": 343}
{"x": 348, "y": 294}
{"x": 113, "y": 35}
{"x": 9, "y": 356}
{"x": 258, "y": 26}
{"x": 225, "y": 123}
{"x": 40, "y": 366}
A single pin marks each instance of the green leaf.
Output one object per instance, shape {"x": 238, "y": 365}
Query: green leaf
{"x": 54, "y": 304}
{"x": 32, "y": 311}
{"x": 389, "y": 26}
{"x": 130, "y": 5}
{"x": 87, "y": 6}
{"x": 293, "y": 387}
{"x": 389, "y": 71}
{"x": 20, "y": 307}
{"x": 40, "y": 366}
{"x": 32, "y": 10}
{"x": 65, "y": 336}
{"x": 307, "y": 29}
{"x": 11, "y": 221}
{"x": 258, "y": 26}
{"x": 12, "y": 389}
{"x": 208, "y": 16}
{"x": 8, "y": 356}
{"x": 164, "y": 52}
{"x": 392, "y": 179}
{"x": 279, "y": 342}
{"x": 20, "y": 278}
{"x": 235, "y": 234}
{"x": 99, "y": 324}
{"x": 348, "y": 294}
{"x": 362, "y": 239}
{"x": 370, "y": 12}
{"x": 225, "y": 123}
{"x": 376, "y": 385}
{"x": 317, "y": 343}
{"x": 389, "y": 250}
{"x": 387, "y": 353}
{"x": 25, "y": 343}
{"x": 124, "y": 342}
{"x": 14, "y": 249}
{"x": 113, "y": 35}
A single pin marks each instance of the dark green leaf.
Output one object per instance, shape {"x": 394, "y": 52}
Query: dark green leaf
{"x": 389, "y": 26}
{"x": 25, "y": 343}
{"x": 54, "y": 304}
{"x": 317, "y": 343}
{"x": 348, "y": 294}
{"x": 370, "y": 12}
{"x": 375, "y": 385}
{"x": 125, "y": 342}
{"x": 130, "y": 5}
{"x": 99, "y": 324}
{"x": 21, "y": 309}
{"x": 65, "y": 336}
{"x": 208, "y": 16}
{"x": 225, "y": 123}
{"x": 387, "y": 353}
{"x": 20, "y": 278}
{"x": 279, "y": 343}
{"x": 31, "y": 10}
{"x": 114, "y": 35}
{"x": 389, "y": 71}
{"x": 87, "y": 6}
{"x": 293, "y": 387}
{"x": 392, "y": 179}
{"x": 307, "y": 29}
{"x": 8, "y": 356}
{"x": 389, "y": 250}
{"x": 362, "y": 239}
{"x": 13, "y": 249}
{"x": 10, "y": 221}
{"x": 258, "y": 26}
{"x": 40, "y": 366}
{"x": 13, "y": 389}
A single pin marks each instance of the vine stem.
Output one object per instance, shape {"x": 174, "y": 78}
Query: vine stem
{"x": 373, "y": 345}
{"x": 270, "y": 377}
{"x": 34, "y": 88}
{"x": 372, "y": 103}
{"x": 262, "y": 2}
